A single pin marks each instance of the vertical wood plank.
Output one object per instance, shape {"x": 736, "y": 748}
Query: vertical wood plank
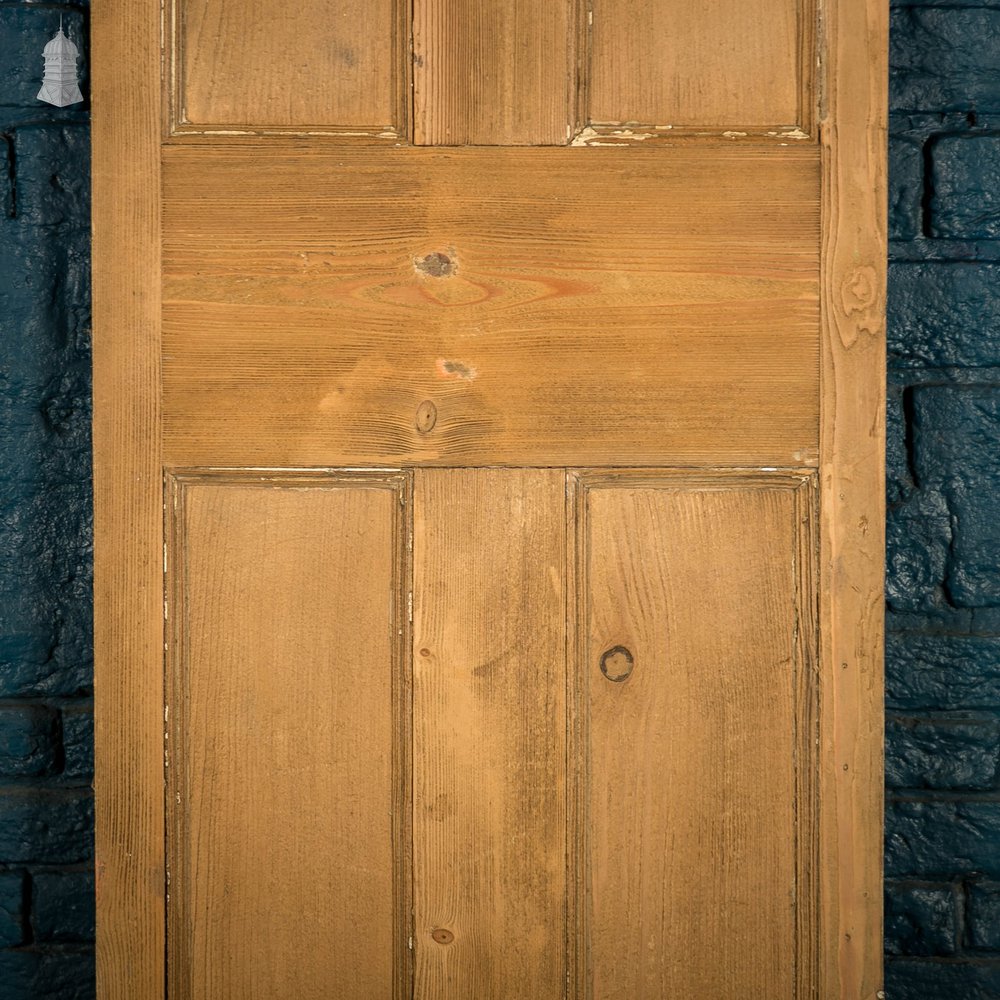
{"x": 696, "y": 699}
{"x": 852, "y": 456}
{"x": 489, "y": 811}
{"x": 494, "y": 73}
{"x": 128, "y": 498}
{"x": 286, "y": 786}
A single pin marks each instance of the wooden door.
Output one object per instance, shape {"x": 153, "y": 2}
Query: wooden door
{"x": 489, "y": 460}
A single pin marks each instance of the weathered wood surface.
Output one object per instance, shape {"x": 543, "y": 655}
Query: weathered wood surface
{"x": 698, "y": 744}
{"x": 556, "y": 306}
{"x": 489, "y": 748}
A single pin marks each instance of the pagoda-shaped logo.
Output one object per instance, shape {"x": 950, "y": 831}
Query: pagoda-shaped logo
{"x": 59, "y": 84}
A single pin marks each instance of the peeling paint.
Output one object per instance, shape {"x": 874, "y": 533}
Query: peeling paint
{"x": 590, "y": 136}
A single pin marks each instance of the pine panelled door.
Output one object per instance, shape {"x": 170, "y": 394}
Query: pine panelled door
{"x": 489, "y": 435}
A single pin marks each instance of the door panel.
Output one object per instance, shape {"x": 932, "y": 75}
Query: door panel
{"x": 654, "y": 64}
{"x": 489, "y": 748}
{"x": 249, "y": 66}
{"x": 286, "y": 797}
{"x": 546, "y": 306}
{"x": 699, "y": 762}
{"x": 497, "y": 73}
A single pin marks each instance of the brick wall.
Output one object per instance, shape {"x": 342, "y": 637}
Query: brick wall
{"x": 46, "y": 727}
{"x": 943, "y": 644}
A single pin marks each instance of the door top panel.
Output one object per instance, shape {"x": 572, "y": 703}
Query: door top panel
{"x": 505, "y": 306}
{"x": 492, "y": 72}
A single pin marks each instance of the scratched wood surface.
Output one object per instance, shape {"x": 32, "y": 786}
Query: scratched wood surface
{"x": 853, "y": 473}
{"x": 553, "y": 306}
{"x": 285, "y": 798}
{"x": 653, "y": 62}
{"x": 496, "y": 72}
{"x": 254, "y": 65}
{"x": 489, "y": 710}
{"x": 694, "y": 735}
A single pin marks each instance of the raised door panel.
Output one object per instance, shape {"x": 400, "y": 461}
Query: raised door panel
{"x": 286, "y": 746}
{"x": 697, "y": 800}
{"x": 491, "y": 306}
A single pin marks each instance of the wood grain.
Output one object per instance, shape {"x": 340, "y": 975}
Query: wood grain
{"x": 556, "y": 306}
{"x": 493, "y": 73}
{"x": 128, "y": 498}
{"x": 851, "y": 610}
{"x": 285, "y": 793}
{"x": 489, "y": 733}
{"x": 252, "y": 65}
{"x": 654, "y": 62}
{"x": 695, "y": 834}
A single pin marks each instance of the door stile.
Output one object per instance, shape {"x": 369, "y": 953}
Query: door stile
{"x": 128, "y": 502}
{"x": 852, "y": 460}
{"x": 852, "y": 463}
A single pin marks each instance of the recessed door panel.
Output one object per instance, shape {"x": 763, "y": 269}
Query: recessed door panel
{"x": 286, "y": 740}
{"x": 698, "y": 735}
{"x": 250, "y": 66}
{"x": 653, "y": 63}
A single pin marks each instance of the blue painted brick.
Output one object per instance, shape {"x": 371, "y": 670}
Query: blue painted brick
{"x": 47, "y": 429}
{"x": 898, "y": 481}
{"x": 930, "y": 979}
{"x": 11, "y": 909}
{"x": 956, "y": 431}
{"x": 919, "y": 541}
{"x": 29, "y": 740}
{"x": 966, "y": 179}
{"x": 920, "y": 919}
{"x": 944, "y": 672}
{"x": 45, "y": 549}
{"x": 24, "y": 31}
{"x": 942, "y": 753}
{"x": 52, "y": 169}
{"x": 78, "y": 743}
{"x": 940, "y": 839}
{"x": 944, "y": 59}
{"x": 44, "y": 301}
{"x": 943, "y": 315}
{"x": 6, "y": 177}
{"x": 62, "y": 906}
{"x": 51, "y": 827}
{"x": 982, "y": 915}
{"x": 47, "y": 975}
{"x": 906, "y": 188}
